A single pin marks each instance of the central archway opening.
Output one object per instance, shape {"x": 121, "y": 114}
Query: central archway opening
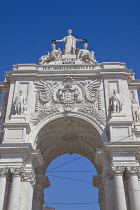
{"x": 71, "y": 184}
{"x": 71, "y": 137}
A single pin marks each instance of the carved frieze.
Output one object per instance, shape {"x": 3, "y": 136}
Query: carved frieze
{"x": 68, "y": 95}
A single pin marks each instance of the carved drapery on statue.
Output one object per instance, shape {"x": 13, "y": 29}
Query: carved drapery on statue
{"x": 70, "y": 49}
{"x": 20, "y": 104}
{"x": 115, "y": 102}
{"x": 86, "y": 55}
{"x": 54, "y": 55}
{"x": 68, "y": 96}
{"x": 135, "y": 111}
{"x": 70, "y": 43}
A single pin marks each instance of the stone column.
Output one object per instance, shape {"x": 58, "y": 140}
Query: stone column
{"x": 28, "y": 182}
{"x": 120, "y": 200}
{"x": 133, "y": 187}
{"x": 107, "y": 176}
{"x": 3, "y": 177}
{"x": 38, "y": 195}
{"x": 125, "y": 181}
{"x": 15, "y": 189}
{"x": 98, "y": 182}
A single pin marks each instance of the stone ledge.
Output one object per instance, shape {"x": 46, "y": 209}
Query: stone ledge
{"x": 19, "y": 118}
{"x": 18, "y": 125}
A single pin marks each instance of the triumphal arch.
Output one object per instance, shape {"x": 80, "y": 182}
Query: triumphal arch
{"x": 69, "y": 103}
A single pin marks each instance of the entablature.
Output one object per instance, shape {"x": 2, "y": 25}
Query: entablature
{"x": 4, "y": 85}
{"x": 99, "y": 70}
{"x": 135, "y": 84}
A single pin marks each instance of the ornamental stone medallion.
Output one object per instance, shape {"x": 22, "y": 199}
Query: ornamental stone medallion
{"x": 69, "y": 103}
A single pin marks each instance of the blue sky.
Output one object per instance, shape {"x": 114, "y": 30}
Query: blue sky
{"x": 112, "y": 28}
{"x": 71, "y": 190}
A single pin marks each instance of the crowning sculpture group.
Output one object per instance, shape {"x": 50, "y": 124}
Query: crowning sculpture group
{"x": 69, "y": 49}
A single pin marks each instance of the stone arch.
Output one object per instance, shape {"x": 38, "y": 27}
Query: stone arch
{"x": 100, "y": 127}
{"x": 65, "y": 133}
{"x": 68, "y": 133}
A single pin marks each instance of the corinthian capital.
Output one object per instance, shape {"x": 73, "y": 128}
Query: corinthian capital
{"x": 133, "y": 170}
{"x": 118, "y": 170}
{"x": 3, "y": 172}
{"x": 16, "y": 171}
{"x": 29, "y": 177}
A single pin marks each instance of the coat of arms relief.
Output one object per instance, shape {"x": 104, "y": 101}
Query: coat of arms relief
{"x": 68, "y": 96}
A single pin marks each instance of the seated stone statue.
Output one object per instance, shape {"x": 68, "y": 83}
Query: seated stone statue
{"x": 86, "y": 55}
{"x": 54, "y": 55}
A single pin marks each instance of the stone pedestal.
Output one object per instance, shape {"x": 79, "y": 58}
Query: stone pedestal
{"x": 20, "y": 118}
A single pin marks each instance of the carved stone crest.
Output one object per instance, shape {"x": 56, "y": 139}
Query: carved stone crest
{"x": 68, "y": 95}
{"x": 68, "y": 92}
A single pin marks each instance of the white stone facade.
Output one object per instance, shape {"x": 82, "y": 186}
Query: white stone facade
{"x": 69, "y": 103}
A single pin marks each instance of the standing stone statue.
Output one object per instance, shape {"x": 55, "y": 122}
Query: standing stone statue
{"x": 115, "y": 102}
{"x": 70, "y": 43}
{"x": 135, "y": 111}
{"x": 85, "y": 54}
{"x": 20, "y": 103}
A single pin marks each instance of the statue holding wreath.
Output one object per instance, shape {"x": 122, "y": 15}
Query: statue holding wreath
{"x": 70, "y": 43}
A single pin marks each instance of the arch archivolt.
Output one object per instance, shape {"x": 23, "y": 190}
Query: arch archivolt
{"x": 68, "y": 133}
{"x": 92, "y": 122}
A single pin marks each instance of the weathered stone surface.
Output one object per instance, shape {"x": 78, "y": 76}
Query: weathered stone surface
{"x": 69, "y": 103}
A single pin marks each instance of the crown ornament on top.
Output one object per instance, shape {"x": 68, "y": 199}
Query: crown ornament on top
{"x": 69, "y": 50}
